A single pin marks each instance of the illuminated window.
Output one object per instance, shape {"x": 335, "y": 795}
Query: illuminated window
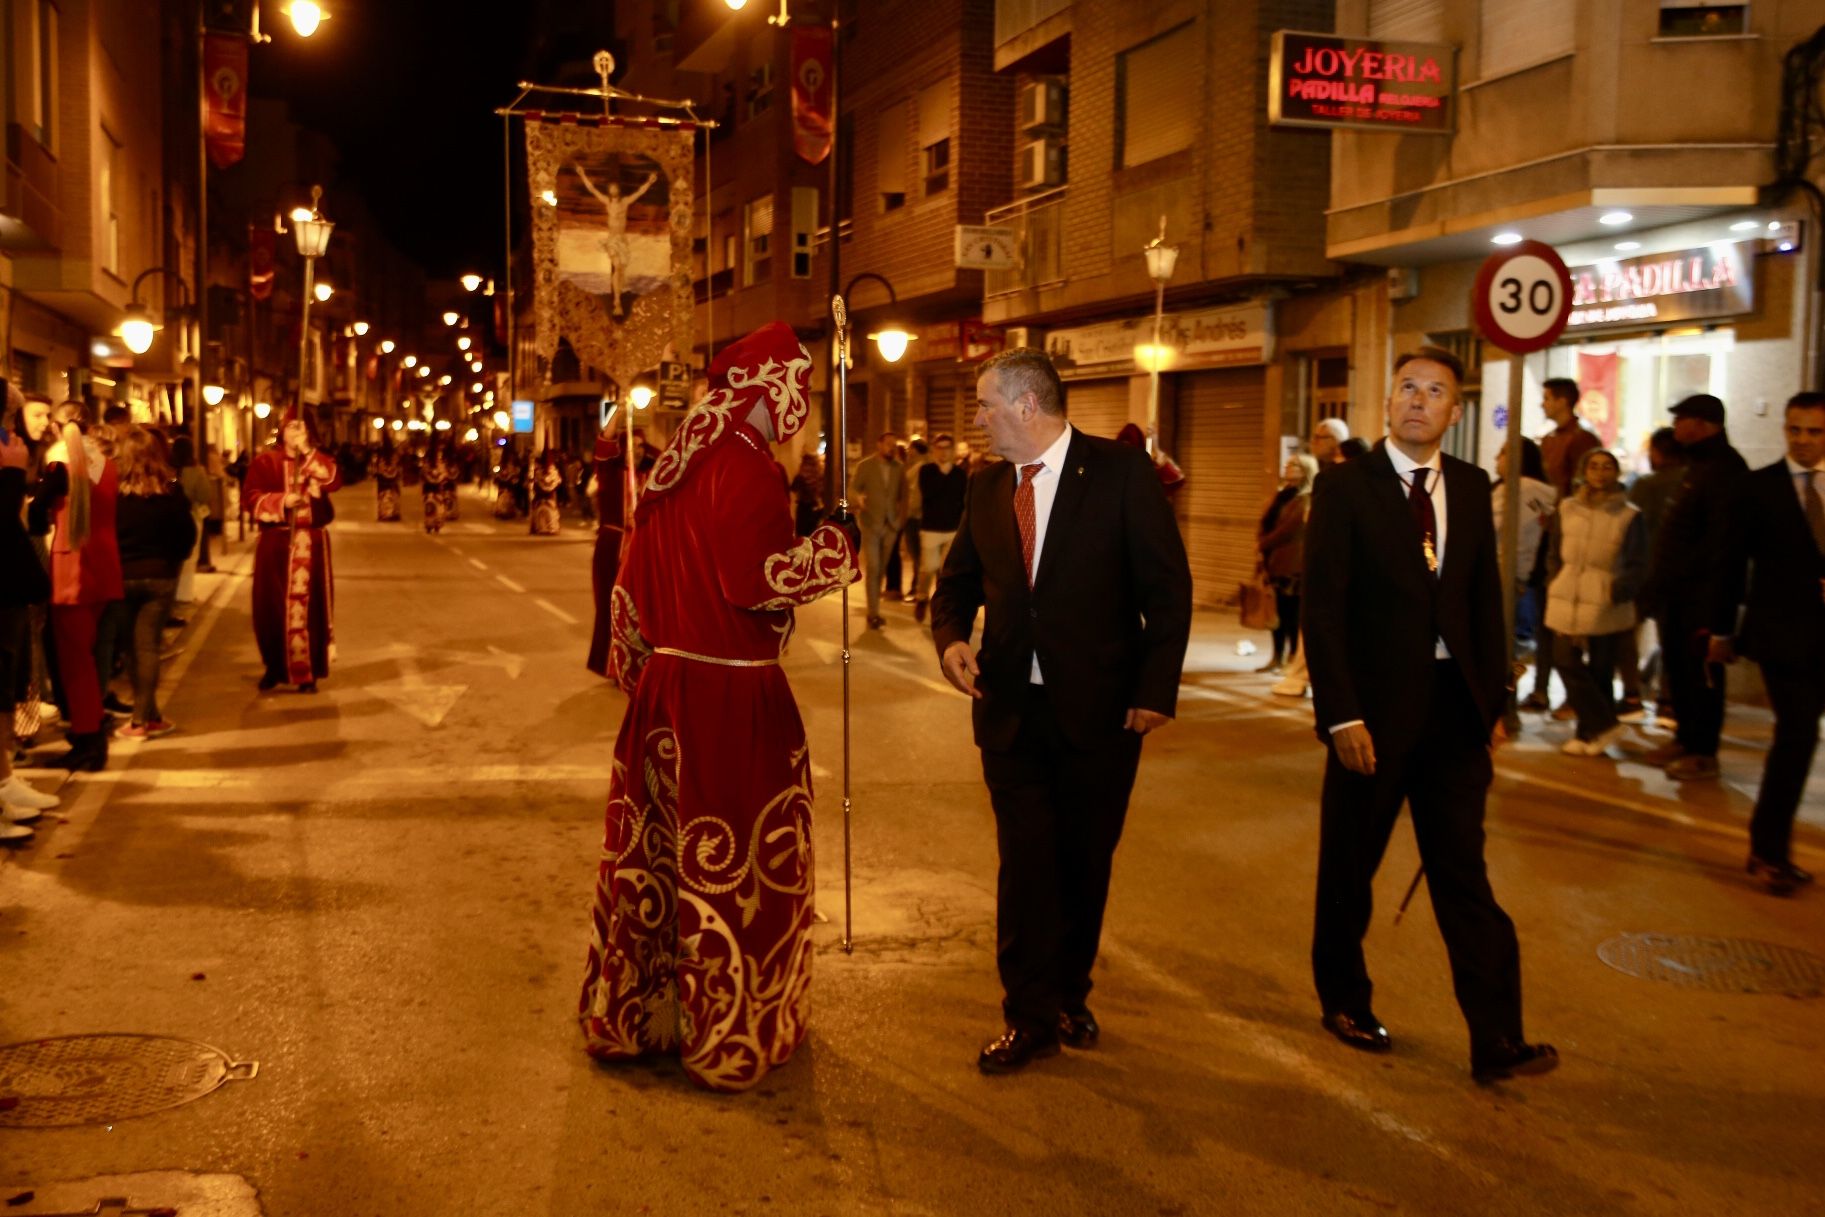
{"x": 1702, "y": 19}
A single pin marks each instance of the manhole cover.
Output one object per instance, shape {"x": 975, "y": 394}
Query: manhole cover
{"x": 1723, "y": 965}
{"x": 97, "y": 1079}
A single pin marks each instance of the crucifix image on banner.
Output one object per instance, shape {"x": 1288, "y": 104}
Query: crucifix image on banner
{"x": 611, "y": 208}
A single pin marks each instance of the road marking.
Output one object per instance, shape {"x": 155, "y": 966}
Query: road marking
{"x": 554, "y": 610}
{"x": 478, "y": 564}
{"x": 194, "y": 785}
{"x": 509, "y": 584}
{"x": 458, "y": 550}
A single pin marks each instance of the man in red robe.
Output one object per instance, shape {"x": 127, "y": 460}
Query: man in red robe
{"x": 703, "y": 909}
{"x": 612, "y": 498}
{"x": 287, "y": 491}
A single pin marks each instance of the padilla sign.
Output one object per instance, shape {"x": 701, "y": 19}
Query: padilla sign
{"x": 1321, "y": 80}
{"x": 1682, "y": 285}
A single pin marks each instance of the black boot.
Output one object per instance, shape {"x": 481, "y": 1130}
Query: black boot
{"x": 88, "y": 751}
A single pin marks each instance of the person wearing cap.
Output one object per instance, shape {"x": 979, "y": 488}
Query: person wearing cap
{"x": 1683, "y": 579}
{"x": 701, "y": 942}
{"x": 288, "y": 493}
{"x": 1775, "y": 569}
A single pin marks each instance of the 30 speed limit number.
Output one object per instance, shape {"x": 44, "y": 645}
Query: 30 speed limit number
{"x": 1523, "y": 297}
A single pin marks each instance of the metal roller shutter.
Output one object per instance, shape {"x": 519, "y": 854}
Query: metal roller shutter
{"x": 1218, "y": 433}
{"x": 950, "y": 405}
{"x": 1097, "y": 407}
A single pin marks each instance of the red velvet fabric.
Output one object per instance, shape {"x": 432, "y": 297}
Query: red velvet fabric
{"x": 293, "y": 585}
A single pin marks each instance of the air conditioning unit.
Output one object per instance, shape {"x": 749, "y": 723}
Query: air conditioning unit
{"x": 1403, "y": 282}
{"x": 1042, "y": 105}
{"x": 1042, "y": 163}
{"x": 804, "y": 229}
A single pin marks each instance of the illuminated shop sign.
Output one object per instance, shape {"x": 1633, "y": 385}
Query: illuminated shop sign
{"x": 1655, "y": 289}
{"x": 1321, "y": 80}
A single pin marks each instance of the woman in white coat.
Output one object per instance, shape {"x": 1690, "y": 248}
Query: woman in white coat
{"x": 1597, "y": 561}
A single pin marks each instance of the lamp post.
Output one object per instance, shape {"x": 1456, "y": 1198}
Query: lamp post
{"x": 1161, "y": 259}
{"x": 137, "y": 328}
{"x": 312, "y": 233}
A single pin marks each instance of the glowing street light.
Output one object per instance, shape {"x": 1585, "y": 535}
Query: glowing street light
{"x": 136, "y": 329}
{"x": 1162, "y": 259}
{"x": 312, "y": 233}
{"x": 213, "y": 394}
{"x": 450, "y": 317}
{"x": 387, "y": 345}
{"x": 444, "y": 379}
{"x": 475, "y": 365}
{"x": 424, "y": 369}
{"x": 471, "y": 282}
{"x": 641, "y": 396}
{"x": 410, "y": 361}
{"x": 463, "y": 343}
{"x": 477, "y": 387}
{"x": 891, "y": 342}
{"x": 442, "y": 424}
{"x": 306, "y": 16}
{"x": 261, "y": 409}
{"x": 323, "y": 292}
{"x": 501, "y": 421}
{"x": 380, "y": 424}
{"x": 471, "y": 435}
{"x": 361, "y": 329}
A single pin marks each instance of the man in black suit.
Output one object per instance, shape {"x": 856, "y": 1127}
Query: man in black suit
{"x": 1071, "y": 546}
{"x": 1777, "y": 531}
{"x": 1407, "y": 648}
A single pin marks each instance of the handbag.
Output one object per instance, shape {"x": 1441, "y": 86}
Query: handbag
{"x": 1255, "y": 596}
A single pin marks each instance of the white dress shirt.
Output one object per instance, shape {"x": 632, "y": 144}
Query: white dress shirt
{"x": 1404, "y": 466}
{"x": 1797, "y": 472}
{"x": 1045, "y": 493}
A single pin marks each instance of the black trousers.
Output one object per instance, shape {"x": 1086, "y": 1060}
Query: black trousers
{"x": 1058, "y": 817}
{"x": 1797, "y": 694}
{"x": 1697, "y": 687}
{"x": 1444, "y": 777}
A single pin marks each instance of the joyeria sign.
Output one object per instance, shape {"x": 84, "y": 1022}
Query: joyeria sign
{"x": 1321, "y": 80}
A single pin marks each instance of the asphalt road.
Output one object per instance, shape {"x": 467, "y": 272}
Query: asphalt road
{"x": 380, "y": 894}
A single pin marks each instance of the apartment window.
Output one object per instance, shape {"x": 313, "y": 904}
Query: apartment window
{"x": 1407, "y": 20}
{"x": 729, "y": 241}
{"x": 1520, "y": 33}
{"x": 107, "y": 190}
{"x": 935, "y": 137}
{"x": 757, "y": 225}
{"x": 28, "y": 372}
{"x": 1702, "y": 19}
{"x": 760, "y": 90}
{"x": 1155, "y": 87}
{"x": 891, "y": 155}
{"x": 43, "y": 83}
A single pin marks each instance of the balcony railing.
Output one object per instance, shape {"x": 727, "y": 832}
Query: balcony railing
{"x": 1040, "y": 223}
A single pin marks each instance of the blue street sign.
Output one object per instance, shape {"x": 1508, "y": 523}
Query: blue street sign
{"x": 522, "y": 418}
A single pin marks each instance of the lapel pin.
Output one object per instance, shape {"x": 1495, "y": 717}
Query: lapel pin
{"x": 1080, "y": 471}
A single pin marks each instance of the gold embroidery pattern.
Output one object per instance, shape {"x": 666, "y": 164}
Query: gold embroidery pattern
{"x": 785, "y": 385}
{"x": 818, "y": 565}
{"x": 628, "y": 649}
{"x": 702, "y": 428}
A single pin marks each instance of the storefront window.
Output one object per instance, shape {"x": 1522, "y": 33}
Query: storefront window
{"x": 1629, "y": 384}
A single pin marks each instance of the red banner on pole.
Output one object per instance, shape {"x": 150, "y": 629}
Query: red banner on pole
{"x": 225, "y": 98}
{"x": 1597, "y": 375}
{"x": 812, "y": 88}
{"x": 259, "y": 262}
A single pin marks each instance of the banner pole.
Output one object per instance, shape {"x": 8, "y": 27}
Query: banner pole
{"x": 840, "y": 350}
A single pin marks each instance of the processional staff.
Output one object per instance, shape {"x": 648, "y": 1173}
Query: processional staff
{"x": 841, "y": 353}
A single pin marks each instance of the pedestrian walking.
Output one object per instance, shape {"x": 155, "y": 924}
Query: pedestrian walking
{"x": 1538, "y": 502}
{"x": 546, "y": 479}
{"x": 942, "y": 486}
{"x": 1774, "y": 565}
{"x": 1406, "y": 643}
{"x": 1331, "y": 445}
{"x": 23, "y": 585}
{"x": 75, "y": 502}
{"x": 288, "y": 490}
{"x": 880, "y": 486}
{"x": 439, "y": 486}
{"x": 199, "y": 492}
{"x": 1071, "y": 547}
{"x": 1640, "y": 665}
{"x": 1683, "y": 585}
{"x": 1281, "y": 545}
{"x": 1561, "y": 450}
{"x": 701, "y": 928}
{"x": 1597, "y": 559}
{"x": 386, "y": 482}
{"x": 156, "y": 527}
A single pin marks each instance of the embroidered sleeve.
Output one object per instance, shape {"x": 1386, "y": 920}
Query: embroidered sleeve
{"x": 628, "y": 651}
{"x": 761, "y": 562}
{"x": 819, "y": 564}
{"x": 264, "y": 492}
{"x": 321, "y": 475}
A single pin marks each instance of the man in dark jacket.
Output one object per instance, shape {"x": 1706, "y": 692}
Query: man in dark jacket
{"x": 1778, "y": 528}
{"x": 1683, "y": 580}
{"x": 23, "y": 583}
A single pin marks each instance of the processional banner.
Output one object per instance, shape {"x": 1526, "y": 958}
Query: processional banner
{"x": 611, "y": 240}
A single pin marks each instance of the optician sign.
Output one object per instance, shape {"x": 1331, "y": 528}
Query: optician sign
{"x": 1321, "y": 80}
{"x": 1654, "y": 289}
{"x": 1212, "y": 338}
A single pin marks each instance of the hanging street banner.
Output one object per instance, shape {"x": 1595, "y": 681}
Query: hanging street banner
{"x": 1681, "y": 285}
{"x": 1598, "y": 378}
{"x": 225, "y": 98}
{"x": 1321, "y": 80}
{"x": 611, "y": 251}
{"x": 811, "y": 89}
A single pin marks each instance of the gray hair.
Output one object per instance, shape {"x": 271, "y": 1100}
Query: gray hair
{"x": 1026, "y": 370}
{"x": 1338, "y": 429}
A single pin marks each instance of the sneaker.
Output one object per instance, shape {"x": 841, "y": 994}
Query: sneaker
{"x": 1634, "y": 714}
{"x": 1600, "y": 743}
{"x": 114, "y": 705}
{"x": 1693, "y": 769}
{"x": 146, "y": 730}
{"x": 10, "y": 814}
{"x": 1577, "y": 747}
{"x": 15, "y": 792}
{"x": 15, "y": 834}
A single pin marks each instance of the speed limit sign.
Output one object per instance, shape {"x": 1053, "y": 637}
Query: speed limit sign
{"x": 1522, "y": 297}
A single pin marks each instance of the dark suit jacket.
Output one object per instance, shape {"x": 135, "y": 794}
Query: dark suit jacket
{"x": 1372, "y": 611}
{"x": 1771, "y": 551}
{"x": 1110, "y": 609}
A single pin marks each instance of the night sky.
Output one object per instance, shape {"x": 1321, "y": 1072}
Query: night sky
{"x": 407, "y": 90}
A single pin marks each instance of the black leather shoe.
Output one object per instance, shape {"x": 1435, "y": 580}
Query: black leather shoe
{"x": 270, "y": 682}
{"x": 1077, "y": 1028}
{"x": 1359, "y": 1029}
{"x": 309, "y": 686}
{"x": 1013, "y": 1050}
{"x": 1781, "y": 878}
{"x": 1507, "y": 1058}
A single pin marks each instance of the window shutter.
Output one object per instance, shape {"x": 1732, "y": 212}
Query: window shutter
{"x": 1158, "y": 79}
{"x": 1516, "y": 33}
{"x": 890, "y": 149}
{"x": 934, "y": 113}
{"x": 760, "y": 216}
{"x": 1407, "y": 20}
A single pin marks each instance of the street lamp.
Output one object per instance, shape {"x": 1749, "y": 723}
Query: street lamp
{"x": 306, "y": 16}
{"x": 450, "y": 317}
{"x": 261, "y": 409}
{"x": 380, "y": 424}
{"x": 890, "y": 337}
{"x": 387, "y": 345}
{"x": 641, "y": 396}
{"x": 471, "y": 282}
{"x": 1161, "y": 259}
{"x": 410, "y": 361}
{"x": 361, "y": 329}
{"x": 312, "y": 233}
{"x": 213, "y": 394}
{"x": 462, "y": 344}
{"x": 137, "y": 328}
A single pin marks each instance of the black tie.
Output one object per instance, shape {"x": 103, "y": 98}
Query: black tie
{"x": 1424, "y": 518}
{"x": 1815, "y": 510}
